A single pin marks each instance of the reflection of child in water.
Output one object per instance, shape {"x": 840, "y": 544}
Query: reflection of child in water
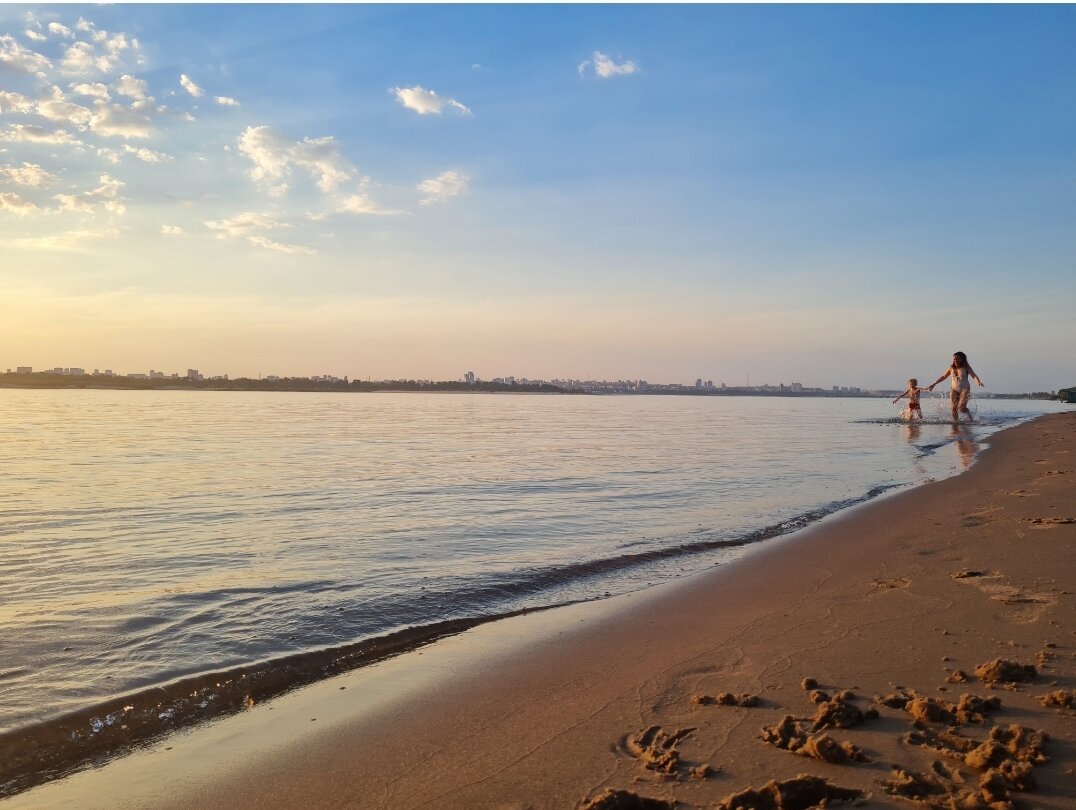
{"x": 961, "y": 374}
{"x": 913, "y": 393}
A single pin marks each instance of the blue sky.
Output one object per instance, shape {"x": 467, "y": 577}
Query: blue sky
{"x": 835, "y": 195}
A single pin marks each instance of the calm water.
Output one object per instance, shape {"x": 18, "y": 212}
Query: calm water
{"x": 146, "y": 536}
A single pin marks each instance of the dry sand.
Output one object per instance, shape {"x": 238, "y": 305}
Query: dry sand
{"x": 921, "y": 646}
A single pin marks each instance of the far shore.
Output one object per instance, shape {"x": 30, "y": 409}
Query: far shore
{"x": 922, "y": 646}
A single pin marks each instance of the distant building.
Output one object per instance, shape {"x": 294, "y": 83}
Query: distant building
{"x": 193, "y": 374}
{"x": 469, "y": 378}
{"x": 24, "y": 370}
{"x": 156, "y": 375}
{"x": 57, "y": 370}
{"x": 138, "y": 376}
{"x": 698, "y": 382}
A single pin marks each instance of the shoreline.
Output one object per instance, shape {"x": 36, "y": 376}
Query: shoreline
{"x": 59, "y": 746}
{"x": 567, "y": 693}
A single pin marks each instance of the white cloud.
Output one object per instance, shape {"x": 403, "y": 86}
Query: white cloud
{"x": 243, "y": 224}
{"x": 124, "y": 122}
{"x": 171, "y": 230}
{"x": 274, "y": 156}
{"x": 606, "y": 68}
{"x": 28, "y": 174}
{"x": 66, "y": 112}
{"x": 426, "y": 102}
{"x": 190, "y": 86}
{"x": 35, "y": 35}
{"x": 94, "y": 90}
{"x": 362, "y": 204}
{"x": 22, "y": 60}
{"x": 14, "y": 102}
{"x": 226, "y": 101}
{"x": 146, "y": 155}
{"x": 106, "y": 195}
{"x": 14, "y": 204}
{"x": 140, "y": 152}
{"x": 269, "y": 244}
{"x": 132, "y": 88}
{"x": 83, "y": 58}
{"x": 79, "y": 58}
{"x": 60, "y": 29}
{"x": 442, "y": 187}
{"x": 28, "y": 133}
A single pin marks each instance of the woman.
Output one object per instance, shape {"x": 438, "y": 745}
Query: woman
{"x": 961, "y": 374}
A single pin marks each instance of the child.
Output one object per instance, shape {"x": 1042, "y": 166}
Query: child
{"x": 961, "y": 374}
{"x": 913, "y": 393}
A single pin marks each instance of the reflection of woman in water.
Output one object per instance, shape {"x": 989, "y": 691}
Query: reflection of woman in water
{"x": 965, "y": 444}
{"x": 961, "y": 374}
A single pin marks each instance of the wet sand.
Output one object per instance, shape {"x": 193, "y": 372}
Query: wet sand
{"x": 921, "y": 646}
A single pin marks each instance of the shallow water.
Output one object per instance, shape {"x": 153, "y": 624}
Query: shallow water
{"x": 147, "y": 536}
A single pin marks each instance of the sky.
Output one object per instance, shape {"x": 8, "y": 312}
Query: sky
{"x": 832, "y": 195}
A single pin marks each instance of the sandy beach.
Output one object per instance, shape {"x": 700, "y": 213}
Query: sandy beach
{"x": 920, "y": 647}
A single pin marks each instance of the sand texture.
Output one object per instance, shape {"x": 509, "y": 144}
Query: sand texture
{"x": 919, "y": 651}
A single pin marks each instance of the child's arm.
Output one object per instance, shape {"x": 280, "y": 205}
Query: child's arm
{"x": 975, "y": 376}
{"x": 948, "y": 371}
{"x": 901, "y": 396}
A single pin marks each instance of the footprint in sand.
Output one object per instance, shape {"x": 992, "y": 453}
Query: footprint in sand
{"x": 1049, "y": 473}
{"x": 1050, "y": 522}
{"x": 970, "y": 521}
{"x": 1021, "y": 605}
{"x": 1022, "y": 493}
{"x": 887, "y": 584}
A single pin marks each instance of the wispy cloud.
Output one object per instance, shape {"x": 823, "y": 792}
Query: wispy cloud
{"x": 14, "y": 56}
{"x": 139, "y": 152}
{"x": 269, "y": 244}
{"x": 118, "y": 120}
{"x": 132, "y": 88}
{"x": 28, "y": 174}
{"x": 106, "y": 196}
{"x": 362, "y": 204}
{"x": 226, "y": 101}
{"x": 74, "y": 240}
{"x": 427, "y": 102}
{"x": 171, "y": 230}
{"x": 29, "y": 133}
{"x": 14, "y": 102}
{"x": 188, "y": 84}
{"x": 443, "y": 187}
{"x": 12, "y": 203}
{"x": 94, "y": 90}
{"x": 274, "y": 156}
{"x": 605, "y": 68}
{"x": 60, "y": 110}
{"x": 245, "y": 223}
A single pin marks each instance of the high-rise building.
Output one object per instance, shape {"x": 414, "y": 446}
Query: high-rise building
{"x": 469, "y": 378}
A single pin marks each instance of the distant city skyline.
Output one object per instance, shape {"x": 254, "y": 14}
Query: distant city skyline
{"x": 470, "y": 377}
{"x": 610, "y": 191}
